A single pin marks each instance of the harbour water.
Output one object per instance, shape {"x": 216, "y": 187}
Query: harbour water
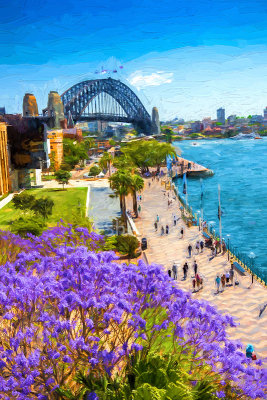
{"x": 240, "y": 169}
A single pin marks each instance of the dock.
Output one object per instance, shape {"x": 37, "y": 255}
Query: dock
{"x": 190, "y": 168}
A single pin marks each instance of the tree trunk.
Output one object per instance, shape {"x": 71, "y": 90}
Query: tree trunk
{"x": 135, "y": 210}
{"x": 123, "y": 210}
{"x": 121, "y": 201}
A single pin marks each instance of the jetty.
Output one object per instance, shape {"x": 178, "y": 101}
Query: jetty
{"x": 190, "y": 168}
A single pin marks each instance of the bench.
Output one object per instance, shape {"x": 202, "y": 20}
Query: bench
{"x": 206, "y": 235}
{"x": 239, "y": 268}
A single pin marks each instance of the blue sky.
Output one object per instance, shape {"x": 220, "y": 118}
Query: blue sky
{"x": 188, "y": 58}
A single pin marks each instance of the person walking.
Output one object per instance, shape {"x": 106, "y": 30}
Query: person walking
{"x": 201, "y": 246}
{"x": 217, "y": 283}
{"x": 169, "y": 273}
{"x": 195, "y": 267}
{"x": 157, "y": 218}
{"x": 197, "y": 246}
{"x": 139, "y": 208}
{"x": 182, "y": 233}
{"x": 174, "y": 270}
{"x": 174, "y": 220}
{"x": 223, "y": 280}
{"x": 162, "y": 231}
{"x": 227, "y": 277}
{"x": 194, "y": 285}
{"x": 167, "y": 229}
{"x": 189, "y": 248}
{"x": 185, "y": 269}
{"x": 156, "y": 226}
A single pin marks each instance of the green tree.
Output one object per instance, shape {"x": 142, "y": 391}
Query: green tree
{"x": 121, "y": 182}
{"x": 62, "y": 177}
{"x": 169, "y": 134}
{"x": 127, "y": 244}
{"x": 94, "y": 170}
{"x": 112, "y": 142}
{"x": 74, "y": 152}
{"x": 137, "y": 184}
{"x": 23, "y": 201}
{"x": 52, "y": 162}
{"x": 43, "y": 206}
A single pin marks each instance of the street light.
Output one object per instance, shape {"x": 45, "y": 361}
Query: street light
{"x": 199, "y": 220}
{"x": 228, "y": 245}
{"x": 252, "y": 257}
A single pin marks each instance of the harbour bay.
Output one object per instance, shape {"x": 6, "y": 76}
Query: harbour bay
{"x": 239, "y": 168}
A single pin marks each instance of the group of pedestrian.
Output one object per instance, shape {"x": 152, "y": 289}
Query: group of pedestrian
{"x": 225, "y": 279}
{"x": 199, "y": 246}
{"x": 197, "y": 282}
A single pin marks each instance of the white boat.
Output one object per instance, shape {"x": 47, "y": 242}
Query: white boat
{"x": 241, "y": 136}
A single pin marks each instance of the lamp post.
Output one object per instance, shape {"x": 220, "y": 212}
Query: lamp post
{"x": 228, "y": 245}
{"x": 199, "y": 220}
{"x": 211, "y": 227}
{"x": 252, "y": 257}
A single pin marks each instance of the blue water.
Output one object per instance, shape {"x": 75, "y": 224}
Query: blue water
{"x": 240, "y": 169}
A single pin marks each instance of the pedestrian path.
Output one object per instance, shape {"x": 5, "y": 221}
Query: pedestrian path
{"x": 242, "y": 303}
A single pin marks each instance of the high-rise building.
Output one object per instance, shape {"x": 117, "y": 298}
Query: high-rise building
{"x": 265, "y": 114}
{"x": 2, "y": 110}
{"x": 4, "y": 165}
{"x": 221, "y": 115}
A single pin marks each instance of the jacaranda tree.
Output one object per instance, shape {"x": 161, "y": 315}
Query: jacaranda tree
{"x": 75, "y": 324}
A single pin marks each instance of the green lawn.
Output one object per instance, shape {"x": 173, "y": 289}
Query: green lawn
{"x": 66, "y": 202}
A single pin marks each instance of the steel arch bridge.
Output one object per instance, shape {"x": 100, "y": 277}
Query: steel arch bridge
{"x": 105, "y": 100}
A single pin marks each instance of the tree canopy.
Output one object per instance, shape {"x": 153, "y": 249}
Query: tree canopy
{"x": 147, "y": 153}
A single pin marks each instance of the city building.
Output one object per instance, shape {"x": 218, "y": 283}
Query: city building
{"x": 256, "y": 119}
{"x": 97, "y": 126}
{"x": 4, "y": 164}
{"x": 196, "y": 126}
{"x": 55, "y": 147}
{"x": 221, "y": 115}
{"x": 2, "y": 110}
{"x": 265, "y": 114}
{"x": 207, "y": 123}
{"x": 231, "y": 120}
{"x": 73, "y": 133}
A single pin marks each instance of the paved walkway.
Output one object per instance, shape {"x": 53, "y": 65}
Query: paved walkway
{"x": 242, "y": 303}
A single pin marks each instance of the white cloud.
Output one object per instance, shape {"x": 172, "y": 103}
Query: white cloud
{"x": 158, "y": 78}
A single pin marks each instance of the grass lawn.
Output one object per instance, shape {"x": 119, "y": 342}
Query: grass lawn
{"x": 66, "y": 201}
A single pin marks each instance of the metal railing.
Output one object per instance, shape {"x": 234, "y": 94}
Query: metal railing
{"x": 243, "y": 259}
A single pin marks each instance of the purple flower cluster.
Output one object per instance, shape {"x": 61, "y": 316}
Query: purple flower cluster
{"x": 65, "y": 307}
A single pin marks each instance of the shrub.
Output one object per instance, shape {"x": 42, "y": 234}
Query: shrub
{"x": 95, "y": 170}
{"x": 23, "y": 226}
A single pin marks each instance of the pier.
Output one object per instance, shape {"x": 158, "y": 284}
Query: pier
{"x": 190, "y": 168}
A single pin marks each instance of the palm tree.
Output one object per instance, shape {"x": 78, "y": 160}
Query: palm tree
{"x": 137, "y": 184}
{"x": 105, "y": 161}
{"x": 121, "y": 182}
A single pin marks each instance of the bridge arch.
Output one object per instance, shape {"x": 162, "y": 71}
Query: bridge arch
{"x": 77, "y": 98}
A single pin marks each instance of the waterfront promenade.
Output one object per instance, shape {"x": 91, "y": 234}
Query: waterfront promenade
{"x": 242, "y": 302}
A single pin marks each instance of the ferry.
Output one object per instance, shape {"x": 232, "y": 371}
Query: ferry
{"x": 241, "y": 136}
